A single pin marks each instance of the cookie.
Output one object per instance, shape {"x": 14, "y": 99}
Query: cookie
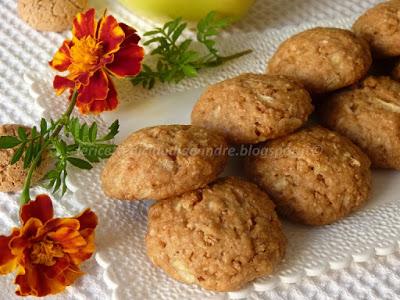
{"x": 315, "y": 176}
{"x": 253, "y": 108}
{"x": 164, "y": 161}
{"x": 396, "y": 71}
{"x": 369, "y": 115}
{"x": 219, "y": 237}
{"x": 12, "y": 177}
{"x": 379, "y": 26}
{"x": 323, "y": 59}
{"x": 50, "y": 15}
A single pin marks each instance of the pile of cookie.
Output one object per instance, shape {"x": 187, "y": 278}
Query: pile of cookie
{"x": 223, "y": 233}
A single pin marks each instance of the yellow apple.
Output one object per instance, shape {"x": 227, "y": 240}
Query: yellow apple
{"x": 191, "y": 10}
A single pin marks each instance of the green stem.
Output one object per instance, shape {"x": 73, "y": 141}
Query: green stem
{"x": 25, "y": 196}
{"x": 223, "y": 59}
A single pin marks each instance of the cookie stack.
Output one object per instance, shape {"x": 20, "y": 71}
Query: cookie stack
{"x": 223, "y": 233}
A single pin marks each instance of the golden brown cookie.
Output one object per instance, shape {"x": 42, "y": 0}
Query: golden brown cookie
{"x": 369, "y": 115}
{"x": 253, "y": 108}
{"x": 50, "y": 15}
{"x": 315, "y": 176}
{"x": 164, "y": 161}
{"x": 219, "y": 237}
{"x": 12, "y": 177}
{"x": 323, "y": 59}
{"x": 379, "y": 26}
{"x": 396, "y": 71}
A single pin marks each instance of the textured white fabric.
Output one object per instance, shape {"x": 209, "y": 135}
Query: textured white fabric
{"x": 23, "y": 50}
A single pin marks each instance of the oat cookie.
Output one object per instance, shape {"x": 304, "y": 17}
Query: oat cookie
{"x": 315, "y": 176}
{"x": 12, "y": 177}
{"x": 253, "y": 108}
{"x": 379, "y": 26}
{"x": 323, "y": 59}
{"x": 369, "y": 114}
{"x": 50, "y": 15}
{"x": 164, "y": 161}
{"x": 219, "y": 237}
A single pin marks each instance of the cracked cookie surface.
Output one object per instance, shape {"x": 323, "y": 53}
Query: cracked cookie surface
{"x": 50, "y": 15}
{"x": 369, "y": 114}
{"x": 323, "y": 59}
{"x": 380, "y": 27}
{"x": 314, "y": 176}
{"x": 253, "y": 108}
{"x": 12, "y": 177}
{"x": 164, "y": 161}
{"x": 219, "y": 237}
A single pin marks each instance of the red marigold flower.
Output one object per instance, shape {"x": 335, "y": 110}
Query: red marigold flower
{"x": 46, "y": 252}
{"x": 96, "y": 51}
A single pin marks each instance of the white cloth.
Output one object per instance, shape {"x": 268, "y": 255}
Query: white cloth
{"x": 23, "y": 50}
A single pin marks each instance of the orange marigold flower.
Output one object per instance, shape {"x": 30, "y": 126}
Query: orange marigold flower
{"x": 46, "y": 252}
{"x": 96, "y": 51}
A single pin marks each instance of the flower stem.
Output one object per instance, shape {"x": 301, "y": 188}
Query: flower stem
{"x": 25, "y": 196}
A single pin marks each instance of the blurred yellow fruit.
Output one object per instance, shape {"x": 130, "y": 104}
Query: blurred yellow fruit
{"x": 191, "y": 10}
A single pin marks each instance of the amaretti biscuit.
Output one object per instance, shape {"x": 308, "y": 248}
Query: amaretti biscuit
{"x": 369, "y": 114}
{"x": 315, "y": 176}
{"x": 219, "y": 237}
{"x": 164, "y": 161}
{"x": 379, "y": 26}
{"x": 50, "y": 15}
{"x": 323, "y": 59}
{"x": 12, "y": 177}
{"x": 253, "y": 108}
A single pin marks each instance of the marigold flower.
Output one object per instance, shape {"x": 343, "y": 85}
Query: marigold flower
{"x": 96, "y": 51}
{"x": 46, "y": 252}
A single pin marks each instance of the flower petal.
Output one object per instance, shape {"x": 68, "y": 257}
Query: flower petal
{"x": 60, "y": 266}
{"x": 96, "y": 89}
{"x": 62, "y": 59}
{"x": 60, "y": 84}
{"x": 110, "y": 34}
{"x": 84, "y": 253}
{"x": 127, "y": 61}
{"x": 68, "y": 238}
{"x": 87, "y": 219}
{"x": 131, "y": 35}
{"x": 24, "y": 239}
{"x": 55, "y": 224}
{"x": 41, "y": 208}
{"x": 8, "y": 261}
{"x": 84, "y": 24}
{"x": 110, "y": 103}
{"x": 34, "y": 282}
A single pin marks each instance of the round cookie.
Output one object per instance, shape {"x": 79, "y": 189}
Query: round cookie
{"x": 219, "y": 237}
{"x": 369, "y": 115}
{"x": 323, "y": 59}
{"x": 164, "y": 161}
{"x": 12, "y": 177}
{"x": 379, "y": 26}
{"x": 253, "y": 108}
{"x": 396, "y": 71}
{"x": 315, "y": 176}
{"x": 50, "y": 15}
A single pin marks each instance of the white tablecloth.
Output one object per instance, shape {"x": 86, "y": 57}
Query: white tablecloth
{"x": 23, "y": 50}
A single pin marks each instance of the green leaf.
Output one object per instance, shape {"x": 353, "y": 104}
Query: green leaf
{"x": 18, "y": 154}
{"x": 22, "y": 134}
{"x": 84, "y": 133}
{"x": 28, "y": 155}
{"x": 7, "y": 142}
{"x": 93, "y": 132}
{"x": 189, "y": 71}
{"x": 79, "y": 163}
{"x": 112, "y": 131}
{"x": 43, "y": 126}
